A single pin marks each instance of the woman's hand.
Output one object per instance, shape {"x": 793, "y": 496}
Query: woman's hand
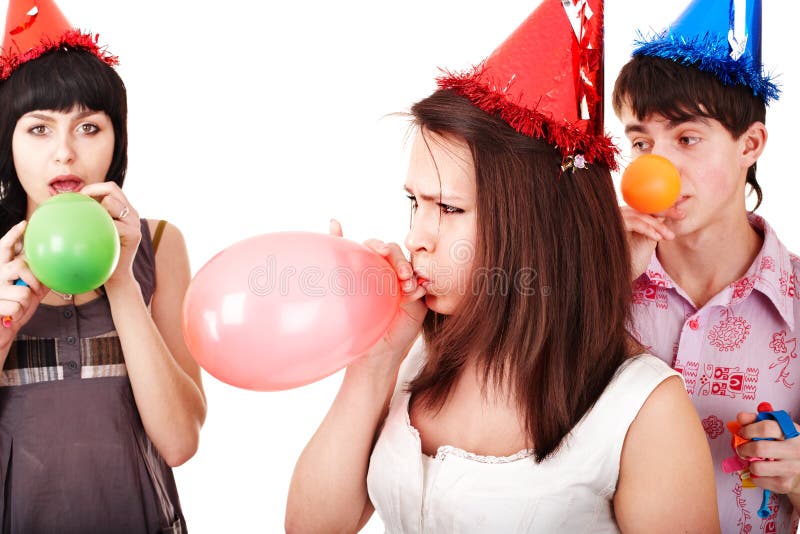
{"x": 126, "y": 219}
{"x": 406, "y": 325}
{"x": 17, "y": 302}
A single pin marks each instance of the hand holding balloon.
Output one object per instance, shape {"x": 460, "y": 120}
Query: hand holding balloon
{"x": 282, "y": 310}
{"x": 72, "y": 244}
{"x": 650, "y": 184}
{"x": 127, "y": 222}
{"x": 407, "y": 323}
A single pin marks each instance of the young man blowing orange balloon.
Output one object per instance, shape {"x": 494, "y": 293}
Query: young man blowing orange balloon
{"x": 715, "y": 293}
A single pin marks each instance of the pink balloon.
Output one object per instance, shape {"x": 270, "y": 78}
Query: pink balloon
{"x": 282, "y": 310}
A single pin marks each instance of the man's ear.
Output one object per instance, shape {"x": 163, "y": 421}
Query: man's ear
{"x": 753, "y": 141}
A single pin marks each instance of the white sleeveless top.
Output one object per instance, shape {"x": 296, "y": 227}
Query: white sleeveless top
{"x": 458, "y": 491}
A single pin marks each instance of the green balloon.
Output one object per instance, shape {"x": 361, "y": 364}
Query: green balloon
{"x": 71, "y": 243}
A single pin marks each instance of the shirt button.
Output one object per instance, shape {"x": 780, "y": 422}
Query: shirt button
{"x": 71, "y": 340}
{"x": 694, "y": 324}
{"x": 68, "y": 314}
{"x": 72, "y": 365}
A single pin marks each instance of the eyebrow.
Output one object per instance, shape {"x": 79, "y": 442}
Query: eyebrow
{"x": 430, "y": 198}
{"x": 42, "y": 117}
{"x": 636, "y": 128}
{"x": 671, "y": 124}
{"x": 694, "y": 118}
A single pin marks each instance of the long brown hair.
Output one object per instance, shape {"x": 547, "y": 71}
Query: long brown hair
{"x": 554, "y": 332}
{"x": 681, "y": 92}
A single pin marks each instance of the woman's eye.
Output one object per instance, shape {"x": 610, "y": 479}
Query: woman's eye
{"x": 89, "y": 128}
{"x": 413, "y": 200}
{"x": 450, "y": 209}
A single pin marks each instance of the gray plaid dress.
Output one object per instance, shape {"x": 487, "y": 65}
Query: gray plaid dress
{"x": 74, "y": 456}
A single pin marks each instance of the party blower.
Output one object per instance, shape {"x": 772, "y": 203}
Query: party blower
{"x": 650, "y": 184}
{"x": 285, "y": 309}
{"x": 741, "y": 465}
{"x": 71, "y": 245}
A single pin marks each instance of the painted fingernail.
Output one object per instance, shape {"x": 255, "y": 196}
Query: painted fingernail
{"x": 7, "y": 322}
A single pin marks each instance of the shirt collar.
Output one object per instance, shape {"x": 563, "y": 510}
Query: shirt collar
{"x": 656, "y": 275}
{"x": 770, "y": 274}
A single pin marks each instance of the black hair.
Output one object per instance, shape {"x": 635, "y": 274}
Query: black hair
{"x": 60, "y": 80}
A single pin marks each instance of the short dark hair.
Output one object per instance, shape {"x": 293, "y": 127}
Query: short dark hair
{"x": 556, "y": 346}
{"x": 60, "y": 80}
{"x": 679, "y": 92}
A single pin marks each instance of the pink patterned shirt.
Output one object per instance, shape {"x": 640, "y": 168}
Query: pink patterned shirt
{"x": 736, "y": 351}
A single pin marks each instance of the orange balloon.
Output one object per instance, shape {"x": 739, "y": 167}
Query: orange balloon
{"x": 650, "y": 184}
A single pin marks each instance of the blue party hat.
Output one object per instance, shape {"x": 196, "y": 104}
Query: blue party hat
{"x": 721, "y": 37}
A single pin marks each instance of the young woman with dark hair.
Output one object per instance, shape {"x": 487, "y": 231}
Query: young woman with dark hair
{"x": 99, "y": 395}
{"x": 526, "y": 406}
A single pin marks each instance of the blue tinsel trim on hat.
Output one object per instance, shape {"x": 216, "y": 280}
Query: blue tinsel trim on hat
{"x": 710, "y": 53}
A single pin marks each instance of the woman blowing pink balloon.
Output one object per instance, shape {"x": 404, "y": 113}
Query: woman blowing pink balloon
{"x": 527, "y": 406}
{"x": 99, "y": 396}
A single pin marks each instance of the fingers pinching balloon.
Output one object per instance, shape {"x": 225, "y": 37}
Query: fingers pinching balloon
{"x": 71, "y": 243}
{"x": 285, "y": 309}
{"x": 650, "y": 184}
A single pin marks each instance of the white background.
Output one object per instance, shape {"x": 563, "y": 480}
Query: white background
{"x": 255, "y": 117}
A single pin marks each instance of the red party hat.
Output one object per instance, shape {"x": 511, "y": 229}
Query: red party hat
{"x": 34, "y": 27}
{"x": 546, "y": 80}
